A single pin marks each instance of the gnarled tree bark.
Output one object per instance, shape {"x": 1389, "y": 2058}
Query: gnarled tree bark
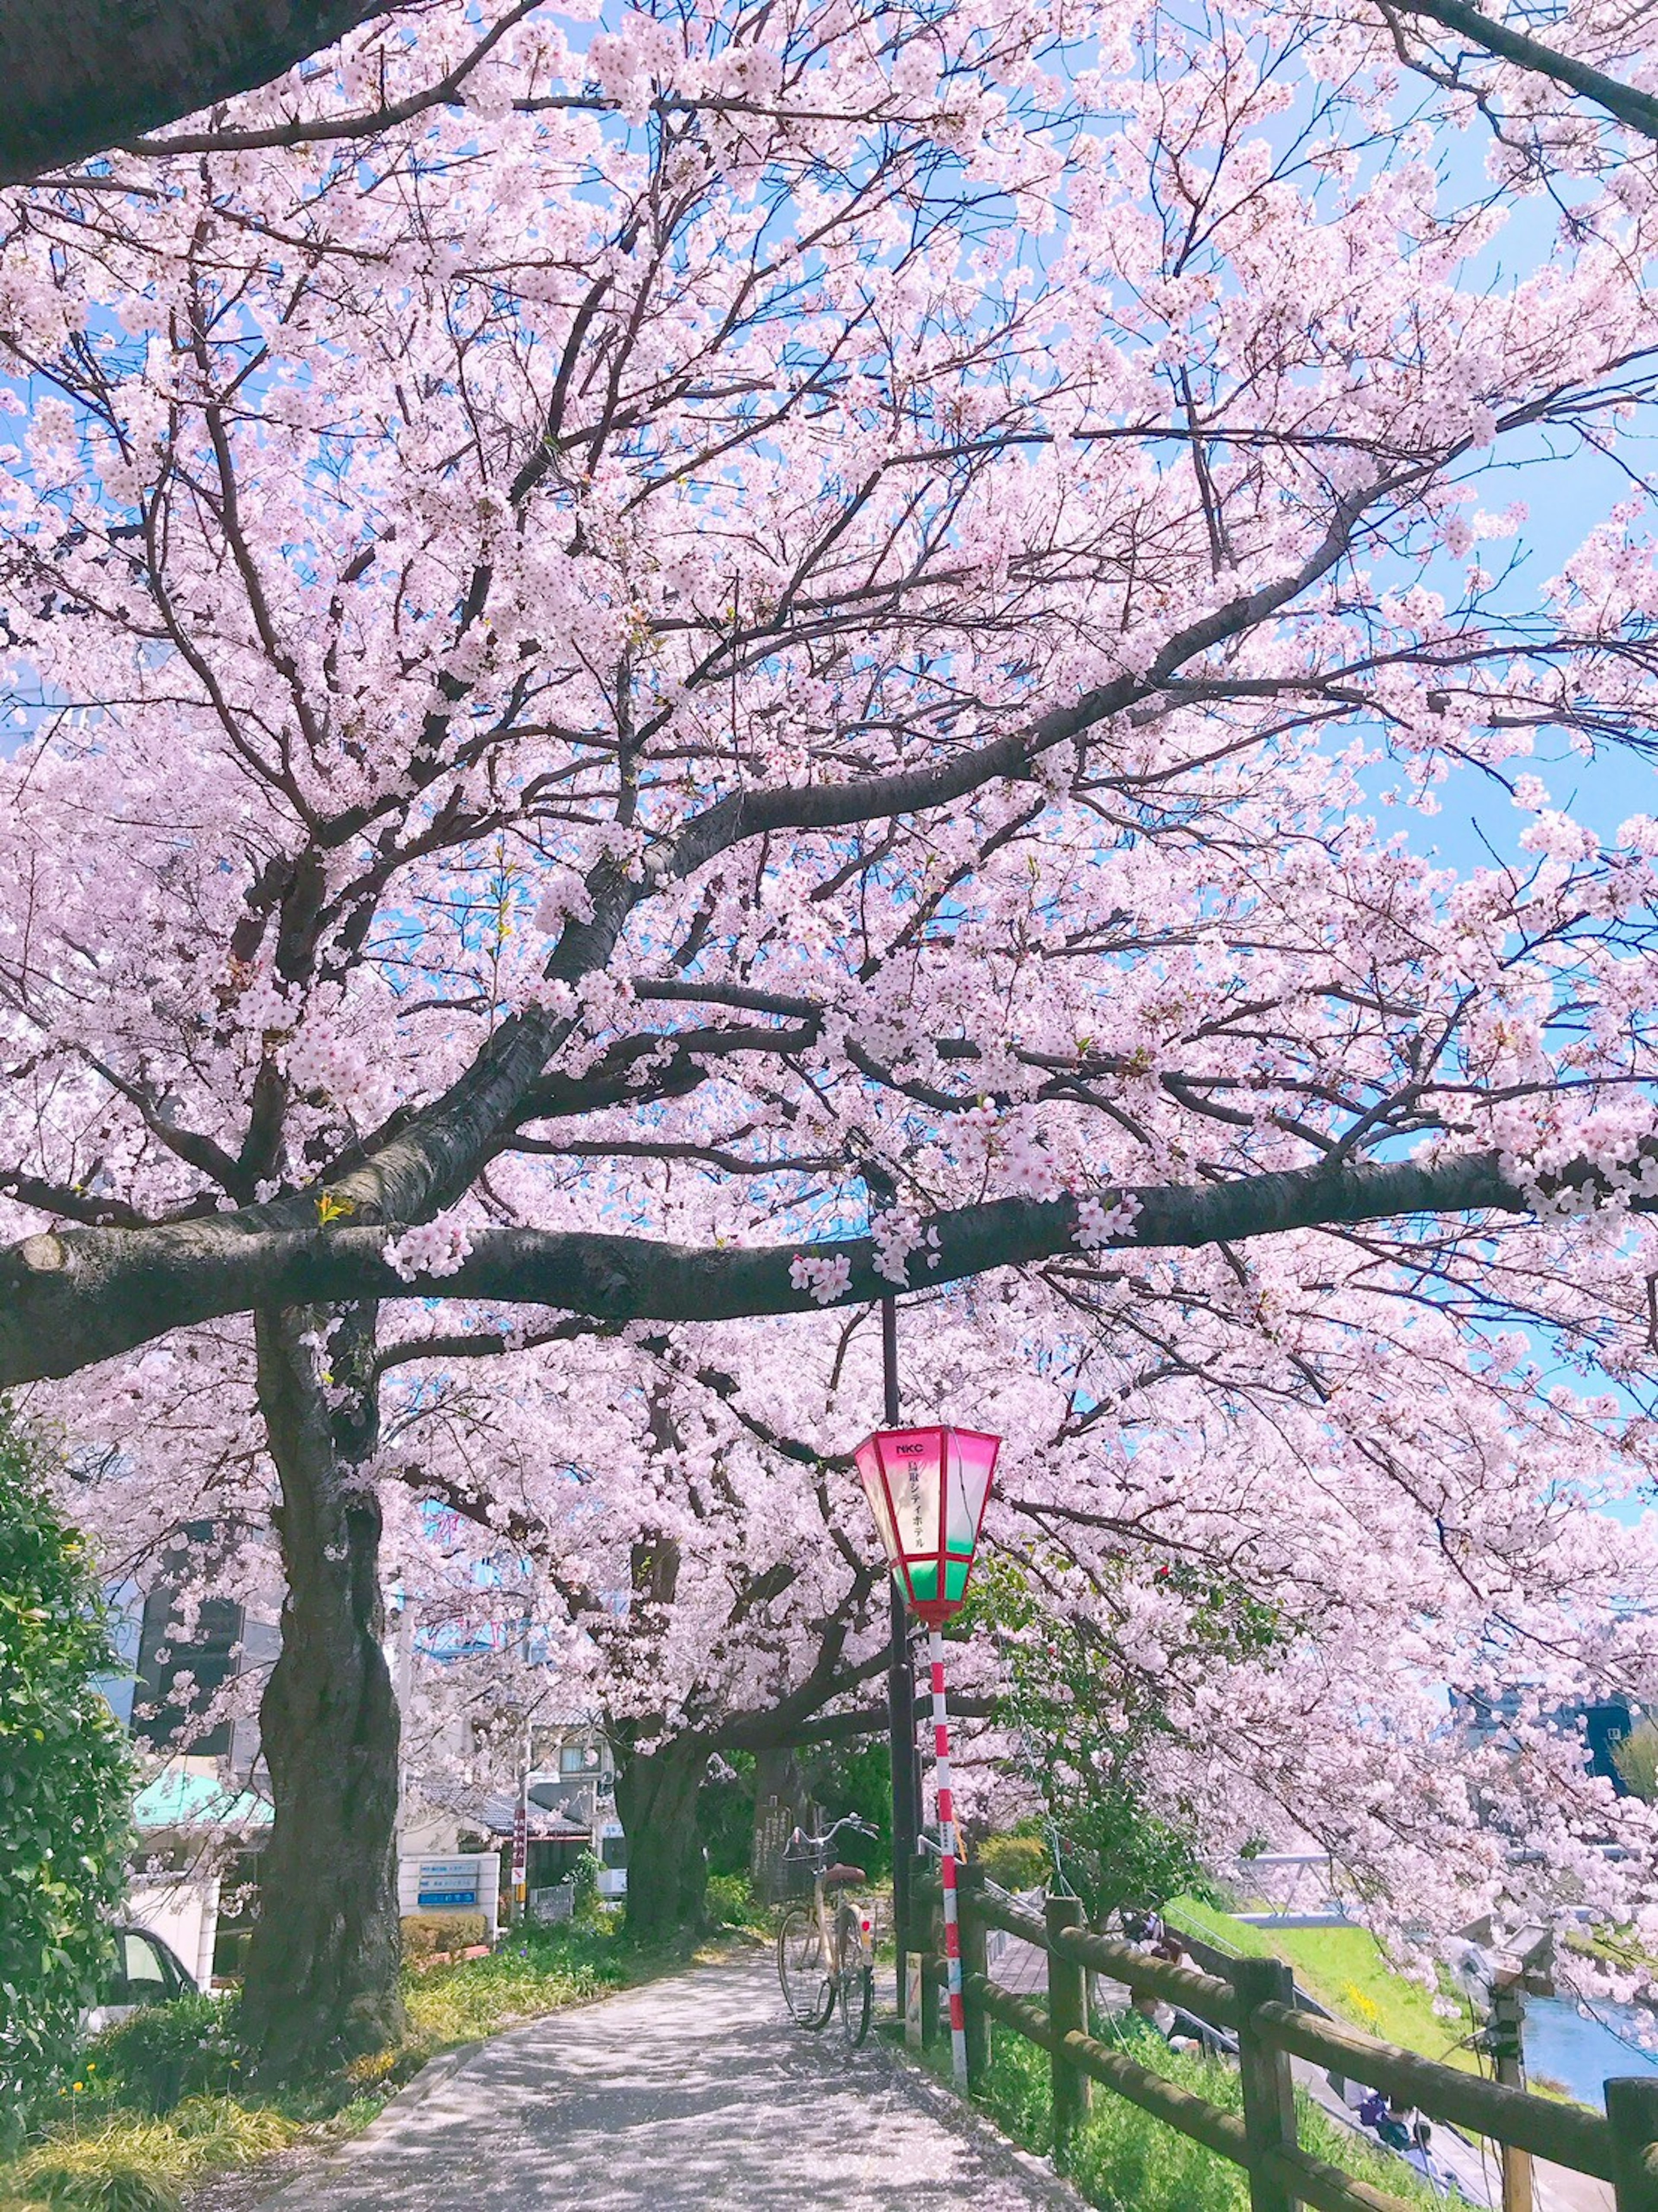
{"x": 322, "y": 1969}
{"x": 656, "y": 1794}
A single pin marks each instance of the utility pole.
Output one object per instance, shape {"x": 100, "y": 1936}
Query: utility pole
{"x": 521, "y": 1841}
{"x": 900, "y": 1699}
{"x": 1506, "y": 2040}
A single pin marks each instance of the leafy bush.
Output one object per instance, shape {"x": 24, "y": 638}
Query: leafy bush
{"x": 583, "y": 1883}
{"x": 65, "y": 1783}
{"x": 166, "y": 2052}
{"x": 731, "y": 1901}
{"x": 1016, "y": 1862}
{"x": 425, "y": 1933}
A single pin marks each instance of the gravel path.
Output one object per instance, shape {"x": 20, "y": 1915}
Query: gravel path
{"x": 694, "y": 2092}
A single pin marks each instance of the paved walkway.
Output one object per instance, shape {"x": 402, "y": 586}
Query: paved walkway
{"x": 695, "y": 2092}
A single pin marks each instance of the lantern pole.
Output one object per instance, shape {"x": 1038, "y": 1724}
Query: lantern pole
{"x": 947, "y": 1870}
{"x": 900, "y": 1701}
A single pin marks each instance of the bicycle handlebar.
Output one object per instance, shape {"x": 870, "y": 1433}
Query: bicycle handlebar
{"x": 821, "y": 1843}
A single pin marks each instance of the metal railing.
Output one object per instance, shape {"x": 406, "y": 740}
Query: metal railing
{"x": 1255, "y": 2001}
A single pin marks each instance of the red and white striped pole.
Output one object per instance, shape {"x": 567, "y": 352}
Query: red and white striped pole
{"x": 947, "y": 1841}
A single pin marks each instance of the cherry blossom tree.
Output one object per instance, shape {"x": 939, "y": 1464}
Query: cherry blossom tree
{"x": 752, "y": 609}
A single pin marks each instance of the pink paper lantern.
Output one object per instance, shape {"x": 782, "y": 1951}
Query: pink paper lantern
{"x": 928, "y": 1490}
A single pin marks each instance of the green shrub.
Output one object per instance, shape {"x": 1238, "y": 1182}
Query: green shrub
{"x": 1016, "y": 1862}
{"x": 164, "y": 2052}
{"x": 426, "y": 1933}
{"x": 731, "y": 1901}
{"x": 65, "y": 1784}
{"x": 584, "y": 1883}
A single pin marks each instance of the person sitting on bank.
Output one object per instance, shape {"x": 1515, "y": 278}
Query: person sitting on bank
{"x": 1387, "y": 2118}
{"x": 1394, "y": 2128}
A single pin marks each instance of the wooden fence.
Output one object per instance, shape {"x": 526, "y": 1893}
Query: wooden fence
{"x": 1255, "y": 2001}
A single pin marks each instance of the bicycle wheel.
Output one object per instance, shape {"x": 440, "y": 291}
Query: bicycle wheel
{"x": 808, "y": 1985}
{"x": 854, "y": 1976}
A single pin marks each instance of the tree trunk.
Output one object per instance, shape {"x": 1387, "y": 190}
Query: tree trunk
{"x": 323, "y": 1966}
{"x": 89, "y": 74}
{"x": 656, "y": 1794}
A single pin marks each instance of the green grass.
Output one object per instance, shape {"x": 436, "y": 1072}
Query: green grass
{"x": 1124, "y": 2160}
{"x": 1344, "y": 1969}
{"x": 129, "y": 2162}
{"x": 450, "y": 2005}
{"x": 98, "y": 2149}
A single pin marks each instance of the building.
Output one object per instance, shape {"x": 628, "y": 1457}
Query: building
{"x": 569, "y": 1800}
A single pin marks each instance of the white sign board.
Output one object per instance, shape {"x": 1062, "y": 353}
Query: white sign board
{"x": 465, "y": 1881}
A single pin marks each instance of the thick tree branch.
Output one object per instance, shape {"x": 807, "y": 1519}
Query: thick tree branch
{"x": 1638, "y": 110}
{"x": 82, "y": 1295}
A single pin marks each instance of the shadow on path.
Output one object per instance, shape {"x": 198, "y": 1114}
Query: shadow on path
{"x": 692, "y": 2092}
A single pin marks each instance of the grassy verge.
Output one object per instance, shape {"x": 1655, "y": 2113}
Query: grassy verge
{"x": 1346, "y": 1971}
{"x": 1123, "y": 2160}
{"x": 157, "y": 2109}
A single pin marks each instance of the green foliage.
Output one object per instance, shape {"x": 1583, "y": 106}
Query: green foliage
{"x": 725, "y": 1812}
{"x": 584, "y": 1885}
{"x": 857, "y": 1777}
{"x": 427, "y": 1932}
{"x": 164, "y": 2053}
{"x": 1016, "y": 1861}
{"x": 1636, "y": 1759}
{"x": 89, "y": 2179}
{"x": 1087, "y": 1721}
{"x": 731, "y": 1903}
{"x": 540, "y": 1970}
{"x": 65, "y": 1781}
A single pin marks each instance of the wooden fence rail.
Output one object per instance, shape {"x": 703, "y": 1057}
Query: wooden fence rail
{"x": 1255, "y": 2001}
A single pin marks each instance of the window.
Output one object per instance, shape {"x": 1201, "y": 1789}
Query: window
{"x": 575, "y": 1759}
{"x": 613, "y": 1850}
{"x": 147, "y": 1979}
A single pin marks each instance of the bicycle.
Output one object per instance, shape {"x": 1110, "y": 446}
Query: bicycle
{"x": 822, "y": 1962}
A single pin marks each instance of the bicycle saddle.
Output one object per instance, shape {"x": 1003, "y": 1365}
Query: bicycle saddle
{"x": 843, "y": 1877}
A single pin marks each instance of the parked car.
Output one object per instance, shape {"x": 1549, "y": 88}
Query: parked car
{"x": 145, "y": 1972}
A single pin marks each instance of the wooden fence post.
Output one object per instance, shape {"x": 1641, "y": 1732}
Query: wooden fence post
{"x": 970, "y": 1892}
{"x": 1269, "y": 2098}
{"x": 1068, "y": 2009}
{"x": 1632, "y": 2116}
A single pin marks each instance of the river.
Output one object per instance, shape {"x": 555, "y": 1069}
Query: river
{"x": 1579, "y": 2052}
